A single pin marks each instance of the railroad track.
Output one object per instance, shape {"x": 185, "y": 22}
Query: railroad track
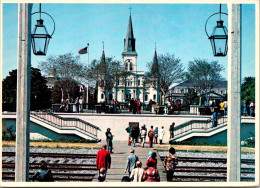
{"x": 64, "y": 171}
{"x": 190, "y": 173}
{"x": 93, "y": 156}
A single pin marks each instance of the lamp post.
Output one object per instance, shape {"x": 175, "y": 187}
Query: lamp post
{"x": 219, "y": 36}
{"x": 40, "y": 35}
{"x": 24, "y": 87}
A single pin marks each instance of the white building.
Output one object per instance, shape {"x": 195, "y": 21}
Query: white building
{"x": 133, "y": 86}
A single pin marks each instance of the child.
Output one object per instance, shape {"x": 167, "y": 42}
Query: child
{"x": 102, "y": 175}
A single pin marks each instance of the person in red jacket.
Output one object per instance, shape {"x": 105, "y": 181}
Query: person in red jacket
{"x": 103, "y": 159}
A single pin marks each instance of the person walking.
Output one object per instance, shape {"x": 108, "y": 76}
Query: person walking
{"x": 109, "y": 138}
{"x": 129, "y": 130}
{"x": 131, "y": 162}
{"x": 243, "y": 108}
{"x": 150, "y": 105}
{"x": 137, "y": 173}
{"x": 81, "y": 104}
{"x": 161, "y": 134}
{"x": 221, "y": 108}
{"x": 157, "y": 108}
{"x": 134, "y": 106}
{"x": 171, "y": 129}
{"x": 151, "y": 136}
{"x": 156, "y": 135}
{"x": 138, "y": 106}
{"x": 135, "y": 134}
{"x": 102, "y": 175}
{"x": 43, "y": 174}
{"x": 143, "y": 135}
{"x": 103, "y": 159}
{"x": 251, "y": 107}
{"x": 153, "y": 159}
{"x": 151, "y": 174}
{"x": 77, "y": 104}
{"x": 214, "y": 119}
{"x": 170, "y": 162}
{"x": 225, "y": 107}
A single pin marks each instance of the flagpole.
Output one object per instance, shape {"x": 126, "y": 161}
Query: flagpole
{"x": 87, "y": 80}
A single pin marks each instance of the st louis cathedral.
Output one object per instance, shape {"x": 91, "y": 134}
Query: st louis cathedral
{"x": 133, "y": 87}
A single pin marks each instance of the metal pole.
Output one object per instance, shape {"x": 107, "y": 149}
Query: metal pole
{"x": 234, "y": 95}
{"x": 87, "y": 80}
{"x": 23, "y": 93}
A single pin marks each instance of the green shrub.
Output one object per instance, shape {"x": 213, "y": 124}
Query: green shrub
{"x": 8, "y": 134}
{"x": 196, "y": 143}
{"x": 249, "y": 142}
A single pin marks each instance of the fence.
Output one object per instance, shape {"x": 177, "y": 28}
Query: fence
{"x": 196, "y": 124}
{"x": 68, "y": 122}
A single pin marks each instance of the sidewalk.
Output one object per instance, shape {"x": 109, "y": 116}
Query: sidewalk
{"x": 119, "y": 158}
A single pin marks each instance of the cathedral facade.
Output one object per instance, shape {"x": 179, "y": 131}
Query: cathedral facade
{"x": 133, "y": 86}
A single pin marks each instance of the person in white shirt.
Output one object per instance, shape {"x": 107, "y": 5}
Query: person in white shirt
{"x": 161, "y": 134}
{"x": 137, "y": 173}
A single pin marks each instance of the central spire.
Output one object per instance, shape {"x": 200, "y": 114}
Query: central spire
{"x": 129, "y": 41}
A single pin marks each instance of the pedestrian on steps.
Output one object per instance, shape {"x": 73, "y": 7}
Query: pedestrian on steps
{"x": 161, "y": 134}
{"x": 170, "y": 162}
{"x": 151, "y": 174}
{"x": 153, "y": 159}
{"x": 143, "y": 135}
{"x": 151, "y": 136}
{"x": 137, "y": 173}
{"x": 109, "y": 138}
{"x": 103, "y": 159}
{"x": 43, "y": 174}
{"x": 131, "y": 162}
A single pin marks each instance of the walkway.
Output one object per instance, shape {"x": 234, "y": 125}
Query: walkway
{"x": 119, "y": 158}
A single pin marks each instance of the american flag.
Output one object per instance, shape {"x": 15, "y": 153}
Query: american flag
{"x": 84, "y": 50}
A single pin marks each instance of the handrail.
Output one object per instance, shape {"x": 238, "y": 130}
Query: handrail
{"x": 68, "y": 122}
{"x": 196, "y": 124}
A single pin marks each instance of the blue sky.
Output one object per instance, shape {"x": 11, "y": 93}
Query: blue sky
{"x": 176, "y": 28}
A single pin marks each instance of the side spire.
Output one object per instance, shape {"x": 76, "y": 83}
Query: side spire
{"x": 155, "y": 65}
{"x": 103, "y": 57}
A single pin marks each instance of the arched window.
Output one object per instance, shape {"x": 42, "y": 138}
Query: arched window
{"x": 131, "y": 66}
{"x": 146, "y": 97}
{"x": 154, "y": 97}
{"x": 126, "y": 66}
{"x": 102, "y": 96}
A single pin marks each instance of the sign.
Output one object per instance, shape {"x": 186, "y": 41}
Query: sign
{"x": 133, "y": 124}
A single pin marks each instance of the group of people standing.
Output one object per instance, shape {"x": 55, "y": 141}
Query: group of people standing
{"x": 78, "y": 102}
{"x": 135, "y": 106}
{"x": 135, "y": 133}
{"x": 134, "y": 168}
{"x": 248, "y": 108}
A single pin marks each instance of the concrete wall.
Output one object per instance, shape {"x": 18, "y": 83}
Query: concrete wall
{"x": 118, "y": 123}
{"x": 246, "y": 130}
{"x": 39, "y": 132}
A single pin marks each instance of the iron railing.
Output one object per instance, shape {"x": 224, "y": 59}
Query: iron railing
{"x": 197, "y": 124}
{"x": 68, "y": 122}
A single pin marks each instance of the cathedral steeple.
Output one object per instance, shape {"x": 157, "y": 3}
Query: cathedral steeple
{"x": 103, "y": 57}
{"x": 155, "y": 66}
{"x": 129, "y": 41}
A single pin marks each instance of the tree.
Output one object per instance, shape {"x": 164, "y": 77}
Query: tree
{"x": 248, "y": 89}
{"x": 67, "y": 66}
{"x": 39, "y": 90}
{"x": 204, "y": 75}
{"x": 104, "y": 74}
{"x": 164, "y": 73}
{"x": 68, "y": 87}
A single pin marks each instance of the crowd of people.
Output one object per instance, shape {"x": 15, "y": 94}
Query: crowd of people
{"x": 248, "y": 108}
{"x": 134, "y": 168}
{"x": 135, "y": 106}
{"x": 134, "y": 134}
{"x": 78, "y": 102}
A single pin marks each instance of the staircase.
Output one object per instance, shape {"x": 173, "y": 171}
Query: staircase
{"x": 198, "y": 128}
{"x": 66, "y": 125}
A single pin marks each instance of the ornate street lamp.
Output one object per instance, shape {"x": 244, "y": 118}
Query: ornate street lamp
{"x": 219, "y": 36}
{"x": 40, "y": 35}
